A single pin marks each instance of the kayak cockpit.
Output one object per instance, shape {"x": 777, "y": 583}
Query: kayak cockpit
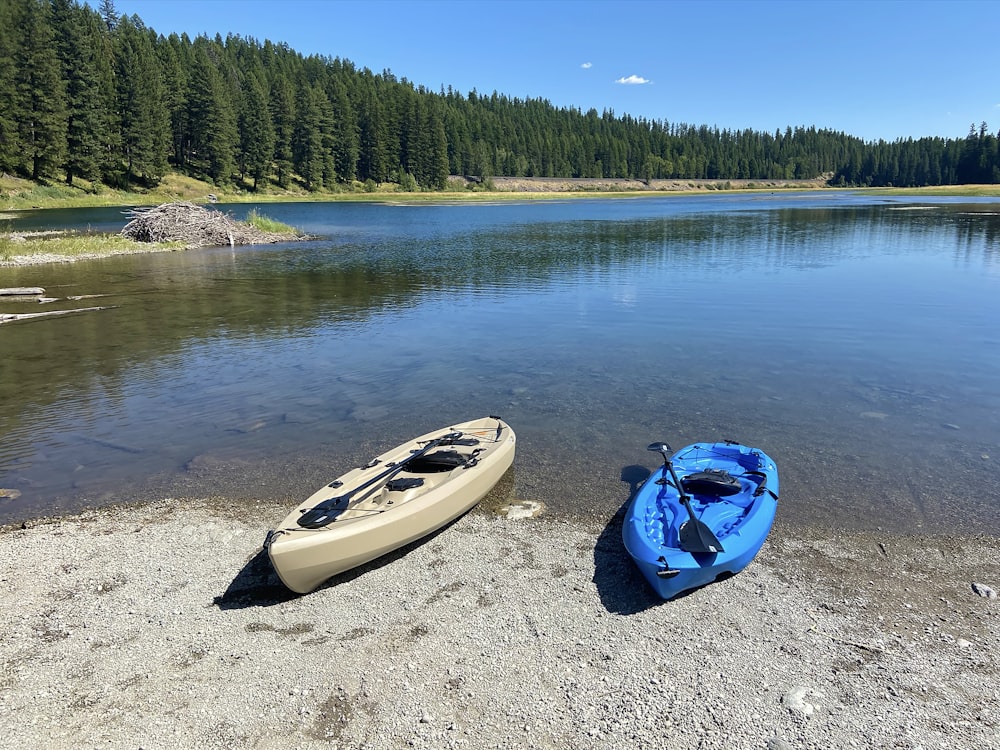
{"x": 397, "y": 482}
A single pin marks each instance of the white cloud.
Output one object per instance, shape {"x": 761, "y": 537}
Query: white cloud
{"x": 587, "y": 65}
{"x": 633, "y": 80}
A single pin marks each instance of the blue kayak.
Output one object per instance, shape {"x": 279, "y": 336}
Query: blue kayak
{"x": 702, "y": 516}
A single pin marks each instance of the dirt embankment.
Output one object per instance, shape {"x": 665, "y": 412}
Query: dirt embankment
{"x": 588, "y": 184}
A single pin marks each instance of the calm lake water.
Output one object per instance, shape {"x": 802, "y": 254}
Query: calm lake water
{"x": 855, "y": 339}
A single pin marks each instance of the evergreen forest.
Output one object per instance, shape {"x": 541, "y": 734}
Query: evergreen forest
{"x": 97, "y": 97}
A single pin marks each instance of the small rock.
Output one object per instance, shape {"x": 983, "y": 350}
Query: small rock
{"x": 776, "y": 743}
{"x": 523, "y": 509}
{"x": 795, "y": 700}
{"x": 983, "y": 590}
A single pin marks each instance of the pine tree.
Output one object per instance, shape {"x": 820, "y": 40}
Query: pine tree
{"x": 143, "y": 118}
{"x": 432, "y": 148}
{"x": 40, "y": 91}
{"x": 282, "y": 108}
{"x": 308, "y": 142}
{"x": 109, "y": 14}
{"x": 214, "y": 135}
{"x": 11, "y": 156}
{"x": 171, "y": 53}
{"x": 345, "y": 142}
{"x": 77, "y": 43}
{"x": 256, "y": 131}
{"x": 373, "y": 159}
{"x": 110, "y": 137}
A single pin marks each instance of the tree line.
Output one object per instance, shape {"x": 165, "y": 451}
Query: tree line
{"x": 90, "y": 95}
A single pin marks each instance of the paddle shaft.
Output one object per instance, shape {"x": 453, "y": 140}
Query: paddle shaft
{"x": 394, "y": 469}
{"x": 323, "y": 513}
{"x": 705, "y": 539}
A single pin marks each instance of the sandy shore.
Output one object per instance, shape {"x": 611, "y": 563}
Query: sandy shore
{"x": 163, "y": 626}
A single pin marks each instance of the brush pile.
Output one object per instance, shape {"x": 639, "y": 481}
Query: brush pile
{"x": 195, "y": 226}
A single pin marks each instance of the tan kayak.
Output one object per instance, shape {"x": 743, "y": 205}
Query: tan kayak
{"x": 399, "y": 497}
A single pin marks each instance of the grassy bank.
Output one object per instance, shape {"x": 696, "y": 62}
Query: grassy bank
{"x": 24, "y": 248}
{"x": 18, "y": 194}
{"x": 50, "y": 247}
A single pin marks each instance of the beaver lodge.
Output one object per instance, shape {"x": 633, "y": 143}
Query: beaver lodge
{"x": 196, "y": 226}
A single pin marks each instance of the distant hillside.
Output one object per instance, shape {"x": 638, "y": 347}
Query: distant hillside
{"x": 88, "y": 97}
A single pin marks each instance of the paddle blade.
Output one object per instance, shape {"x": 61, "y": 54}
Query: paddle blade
{"x": 695, "y": 536}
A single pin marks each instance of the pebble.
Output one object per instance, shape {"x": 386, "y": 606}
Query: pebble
{"x": 983, "y": 590}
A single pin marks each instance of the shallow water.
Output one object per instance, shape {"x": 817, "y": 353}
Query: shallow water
{"x": 853, "y": 339}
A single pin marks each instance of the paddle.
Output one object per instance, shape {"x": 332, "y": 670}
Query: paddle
{"x": 695, "y": 536}
{"x": 327, "y": 510}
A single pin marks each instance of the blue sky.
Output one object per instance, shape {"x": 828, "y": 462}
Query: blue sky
{"x": 881, "y": 69}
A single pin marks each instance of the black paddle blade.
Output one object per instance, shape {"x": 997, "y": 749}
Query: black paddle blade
{"x": 695, "y": 536}
{"x": 324, "y": 513}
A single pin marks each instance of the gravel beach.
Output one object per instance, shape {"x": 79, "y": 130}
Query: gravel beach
{"x": 163, "y": 626}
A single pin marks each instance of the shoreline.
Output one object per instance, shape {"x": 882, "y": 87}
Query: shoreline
{"x": 523, "y": 189}
{"x": 162, "y": 625}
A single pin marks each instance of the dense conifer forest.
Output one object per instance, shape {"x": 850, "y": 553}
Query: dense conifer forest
{"x": 97, "y": 97}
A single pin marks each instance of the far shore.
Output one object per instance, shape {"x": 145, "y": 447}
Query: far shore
{"x": 21, "y": 195}
{"x": 17, "y": 249}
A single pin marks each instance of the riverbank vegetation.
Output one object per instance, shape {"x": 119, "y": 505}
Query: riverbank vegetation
{"x": 168, "y": 226}
{"x": 42, "y": 247}
{"x": 109, "y": 107}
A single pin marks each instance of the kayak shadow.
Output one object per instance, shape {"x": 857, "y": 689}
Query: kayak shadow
{"x": 619, "y": 583}
{"x": 258, "y": 584}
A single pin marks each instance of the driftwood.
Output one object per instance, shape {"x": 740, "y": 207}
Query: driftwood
{"x": 22, "y": 291}
{"x": 12, "y": 317}
{"x": 195, "y": 226}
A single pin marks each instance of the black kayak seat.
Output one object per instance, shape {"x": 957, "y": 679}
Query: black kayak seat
{"x": 437, "y": 461}
{"x": 712, "y": 482}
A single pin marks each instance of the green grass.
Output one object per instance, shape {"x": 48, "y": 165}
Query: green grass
{"x": 20, "y": 194}
{"x": 266, "y": 224}
{"x": 963, "y": 191}
{"x": 74, "y": 245}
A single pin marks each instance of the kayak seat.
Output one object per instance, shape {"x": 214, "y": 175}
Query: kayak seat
{"x": 712, "y": 482}
{"x": 438, "y": 461}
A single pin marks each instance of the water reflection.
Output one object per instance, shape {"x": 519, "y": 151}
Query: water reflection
{"x": 854, "y": 340}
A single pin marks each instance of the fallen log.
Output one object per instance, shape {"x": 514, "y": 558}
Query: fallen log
{"x": 21, "y": 291}
{"x": 13, "y": 317}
